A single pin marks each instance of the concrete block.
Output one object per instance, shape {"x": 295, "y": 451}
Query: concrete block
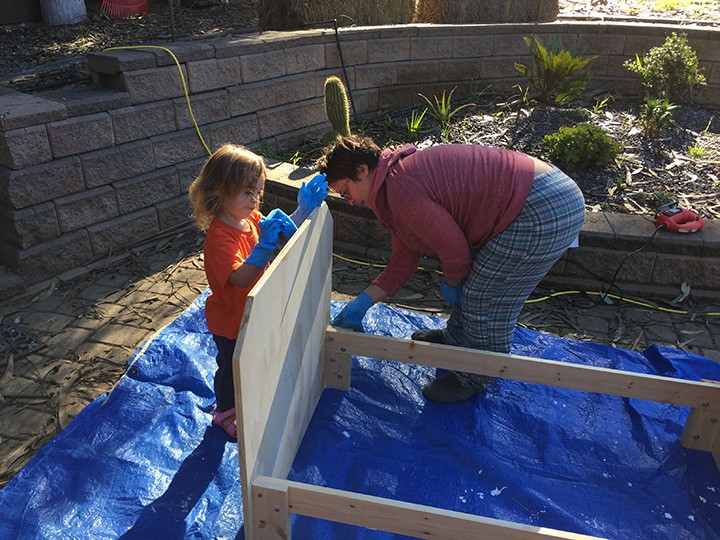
{"x": 143, "y": 121}
{"x": 417, "y": 72}
{"x": 458, "y": 70}
{"x": 187, "y": 172}
{"x": 301, "y": 87}
{"x": 472, "y": 46}
{"x": 80, "y": 134}
{"x": 184, "y": 52}
{"x": 354, "y": 229}
{"x": 84, "y": 100}
{"x": 599, "y": 44}
{"x": 206, "y": 108}
{"x": 291, "y": 117}
{"x": 509, "y": 45}
{"x": 24, "y": 147}
{"x": 422, "y": 48}
{"x": 493, "y": 68}
{"x": 365, "y": 101}
{"x": 375, "y": 75}
{"x": 401, "y": 96}
{"x": 241, "y": 130}
{"x": 388, "y": 50}
{"x": 123, "y": 231}
{"x": 305, "y": 59}
{"x": 603, "y": 263}
{"x": 148, "y": 85}
{"x": 178, "y": 147}
{"x": 29, "y": 226}
{"x": 263, "y": 66}
{"x": 175, "y": 211}
{"x": 698, "y": 272}
{"x": 640, "y": 44}
{"x": 50, "y": 258}
{"x": 113, "y": 62}
{"x": 33, "y": 185}
{"x": 249, "y": 98}
{"x": 147, "y": 189}
{"x": 238, "y": 46}
{"x": 124, "y": 161}
{"x": 205, "y": 75}
{"x": 85, "y": 208}
{"x": 18, "y": 110}
{"x": 353, "y": 53}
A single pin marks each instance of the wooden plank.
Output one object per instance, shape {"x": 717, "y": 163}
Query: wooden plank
{"x": 410, "y": 519}
{"x": 522, "y": 368}
{"x": 277, "y": 365}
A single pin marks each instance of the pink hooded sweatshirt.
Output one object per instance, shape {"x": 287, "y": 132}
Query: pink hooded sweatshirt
{"x": 444, "y": 201}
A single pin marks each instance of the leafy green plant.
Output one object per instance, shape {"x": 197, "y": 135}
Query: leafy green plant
{"x": 655, "y": 115}
{"x": 670, "y": 70}
{"x": 698, "y": 151}
{"x": 581, "y": 147}
{"x": 442, "y": 110}
{"x": 414, "y": 122}
{"x": 660, "y": 197}
{"x": 555, "y": 74}
{"x": 601, "y": 104}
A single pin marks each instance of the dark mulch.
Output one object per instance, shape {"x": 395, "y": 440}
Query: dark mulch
{"x": 647, "y": 173}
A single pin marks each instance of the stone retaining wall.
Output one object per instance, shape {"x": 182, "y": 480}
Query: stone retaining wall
{"x": 85, "y": 172}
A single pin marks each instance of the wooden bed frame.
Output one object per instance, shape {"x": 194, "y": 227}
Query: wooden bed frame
{"x": 287, "y": 354}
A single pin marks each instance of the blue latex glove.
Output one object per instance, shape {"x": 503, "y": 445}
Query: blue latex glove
{"x": 352, "y": 314}
{"x": 310, "y": 196}
{"x": 452, "y": 294}
{"x": 287, "y": 227}
{"x": 270, "y": 229}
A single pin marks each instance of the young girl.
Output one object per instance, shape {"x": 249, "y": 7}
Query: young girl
{"x": 240, "y": 242}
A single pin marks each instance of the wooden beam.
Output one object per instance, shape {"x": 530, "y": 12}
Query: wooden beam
{"x": 410, "y": 519}
{"x": 704, "y": 395}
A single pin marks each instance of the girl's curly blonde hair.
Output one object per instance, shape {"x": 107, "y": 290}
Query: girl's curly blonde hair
{"x": 229, "y": 170}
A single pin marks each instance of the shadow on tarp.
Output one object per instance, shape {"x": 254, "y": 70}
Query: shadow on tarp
{"x": 144, "y": 462}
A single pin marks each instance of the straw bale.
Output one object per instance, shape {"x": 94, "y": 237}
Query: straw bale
{"x": 355, "y": 12}
{"x": 428, "y": 11}
{"x": 499, "y": 11}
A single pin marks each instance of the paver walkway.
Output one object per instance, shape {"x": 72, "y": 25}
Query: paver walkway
{"x": 68, "y": 343}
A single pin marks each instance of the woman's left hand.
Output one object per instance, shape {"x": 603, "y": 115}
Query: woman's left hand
{"x": 452, "y": 293}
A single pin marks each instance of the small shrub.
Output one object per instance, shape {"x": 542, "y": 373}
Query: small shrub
{"x": 555, "y": 74}
{"x": 670, "y": 70}
{"x": 655, "y": 115}
{"x": 581, "y": 147}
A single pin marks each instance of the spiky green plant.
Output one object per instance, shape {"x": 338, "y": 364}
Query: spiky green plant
{"x": 337, "y": 105}
{"x": 555, "y": 74}
{"x": 442, "y": 110}
{"x": 414, "y": 122}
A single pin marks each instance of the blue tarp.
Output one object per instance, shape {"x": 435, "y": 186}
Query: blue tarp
{"x": 144, "y": 462}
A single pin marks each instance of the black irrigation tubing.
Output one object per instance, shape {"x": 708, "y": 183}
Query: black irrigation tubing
{"x": 342, "y": 61}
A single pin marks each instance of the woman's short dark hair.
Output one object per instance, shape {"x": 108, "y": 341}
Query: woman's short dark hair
{"x": 342, "y": 158}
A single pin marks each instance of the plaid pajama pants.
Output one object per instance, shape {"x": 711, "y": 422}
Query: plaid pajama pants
{"x": 509, "y": 266}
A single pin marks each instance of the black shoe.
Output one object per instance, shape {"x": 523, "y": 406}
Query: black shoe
{"x": 432, "y": 336}
{"x": 447, "y": 388}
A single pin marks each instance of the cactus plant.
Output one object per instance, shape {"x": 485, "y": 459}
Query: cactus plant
{"x": 337, "y": 106}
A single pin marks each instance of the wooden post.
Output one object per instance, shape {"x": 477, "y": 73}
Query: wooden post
{"x": 271, "y": 515}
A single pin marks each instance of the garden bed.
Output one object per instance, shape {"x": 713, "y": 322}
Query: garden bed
{"x": 682, "y": 165}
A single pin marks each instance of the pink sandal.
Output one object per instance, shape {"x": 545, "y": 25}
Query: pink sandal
{"x": 220, "y": 419}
